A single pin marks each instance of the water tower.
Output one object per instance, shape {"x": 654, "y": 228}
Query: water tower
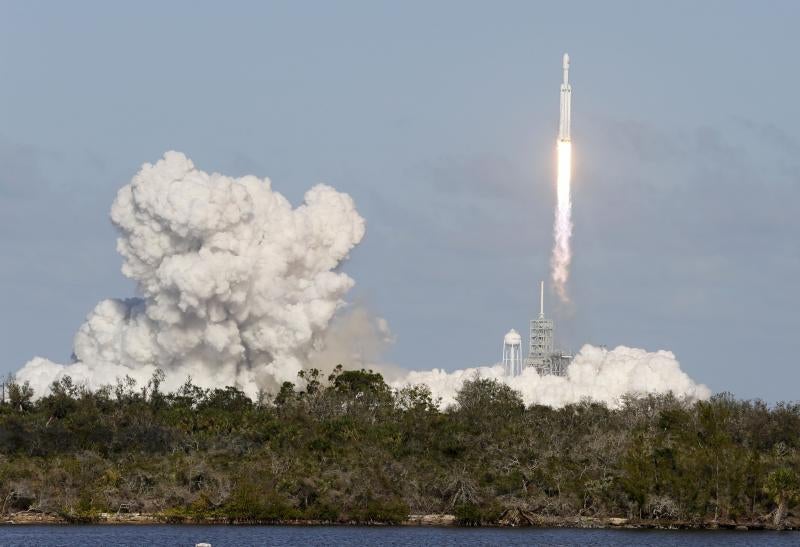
{"x": 512, "y": 353}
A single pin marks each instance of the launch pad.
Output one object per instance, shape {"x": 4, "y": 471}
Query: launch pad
{"x": 543, "y": 356}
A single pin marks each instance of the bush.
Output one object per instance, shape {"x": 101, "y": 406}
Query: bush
{"x": 467, "y": 514}
{"x": 391, "y": 511}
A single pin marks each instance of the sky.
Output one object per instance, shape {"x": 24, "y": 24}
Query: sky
{"x": 440, "y": 119}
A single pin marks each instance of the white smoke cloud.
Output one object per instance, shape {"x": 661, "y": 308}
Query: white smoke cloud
{"x": 240, "y": 288}
{"x": 596, "y": 373}
{"x": 237, "y": 286}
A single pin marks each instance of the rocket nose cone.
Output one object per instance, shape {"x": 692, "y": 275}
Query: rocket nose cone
{"x": 566, "y": 60}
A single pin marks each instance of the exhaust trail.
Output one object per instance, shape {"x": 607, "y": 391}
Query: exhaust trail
{"x": 562, "y": 226}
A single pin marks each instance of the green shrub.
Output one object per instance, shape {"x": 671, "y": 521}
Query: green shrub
{"x": 467, "y": 514}
{"x": 391, "y": 511}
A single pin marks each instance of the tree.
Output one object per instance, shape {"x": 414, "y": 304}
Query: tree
{"x": 61, "y": 400}
{"x": 417, "y": 399}
{"x": 363, "y": 393}
{"x": 485, "y": 399}
{"x": 782, "y": 487}
{"x": 360, "y": 382}
{"x": 285, "y": 395}
{"x": 20, "y": 396}
{"x": 348, "y": 448}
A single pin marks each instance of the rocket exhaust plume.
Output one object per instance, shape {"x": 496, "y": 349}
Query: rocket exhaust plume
{"x": 562, "y": 227}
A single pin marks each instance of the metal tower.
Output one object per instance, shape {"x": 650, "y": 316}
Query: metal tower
{"x": 541, "y": 338}
{"x": 542, "y": 355}
{"x": 512, "y": 353}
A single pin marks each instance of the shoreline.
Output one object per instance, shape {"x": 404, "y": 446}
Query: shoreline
{"x": 432, "y": 520}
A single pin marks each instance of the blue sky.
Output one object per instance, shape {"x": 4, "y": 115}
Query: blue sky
{"x": 439, "y": 118}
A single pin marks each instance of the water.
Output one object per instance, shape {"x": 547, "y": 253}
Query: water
{"x": 219, "y": 536}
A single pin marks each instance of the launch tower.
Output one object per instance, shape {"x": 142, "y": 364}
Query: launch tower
{"x": 542, "y": 354}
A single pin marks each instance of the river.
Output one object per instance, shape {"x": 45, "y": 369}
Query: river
{"x": 219, "y": 536}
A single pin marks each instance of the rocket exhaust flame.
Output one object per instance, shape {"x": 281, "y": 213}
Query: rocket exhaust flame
{"x": 562, "y": 227}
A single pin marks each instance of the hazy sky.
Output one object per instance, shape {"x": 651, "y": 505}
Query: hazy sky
{"x": 439, "y": 118}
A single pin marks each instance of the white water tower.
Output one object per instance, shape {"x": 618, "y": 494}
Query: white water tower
{"x": 512, "y": 353}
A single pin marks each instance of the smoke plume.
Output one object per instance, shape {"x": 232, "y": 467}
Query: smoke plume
{"x": 237, "y": 286}
{"x": 240, "y": 288}
{"x": 596, "y": 373}
{"x": 562, "y": 227}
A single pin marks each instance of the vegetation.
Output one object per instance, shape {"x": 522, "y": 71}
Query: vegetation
{"x": 348, "y": 448}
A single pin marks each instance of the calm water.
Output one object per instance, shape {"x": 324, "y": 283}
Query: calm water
{"x": 218, "y": 536}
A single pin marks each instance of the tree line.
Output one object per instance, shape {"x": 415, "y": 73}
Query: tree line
{"x": 347, "y": 448}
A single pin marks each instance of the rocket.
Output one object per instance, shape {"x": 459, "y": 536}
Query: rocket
{"x": 566, "y": 104}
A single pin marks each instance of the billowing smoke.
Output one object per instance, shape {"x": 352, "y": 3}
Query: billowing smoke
{"x": 562, "y": 227}
{"x": 237, "y": 286}
{"x": 240, "y": 288}
{"x": 596, "y": 373}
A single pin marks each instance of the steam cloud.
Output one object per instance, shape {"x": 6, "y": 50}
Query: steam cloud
{"x": 237, "y": 286}
{"x": 596, "y": 373}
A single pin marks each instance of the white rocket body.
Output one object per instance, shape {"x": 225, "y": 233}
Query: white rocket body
{"x": 566, "y": 104}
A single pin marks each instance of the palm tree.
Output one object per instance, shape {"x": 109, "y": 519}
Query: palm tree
{"x": 781, "y": 486}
